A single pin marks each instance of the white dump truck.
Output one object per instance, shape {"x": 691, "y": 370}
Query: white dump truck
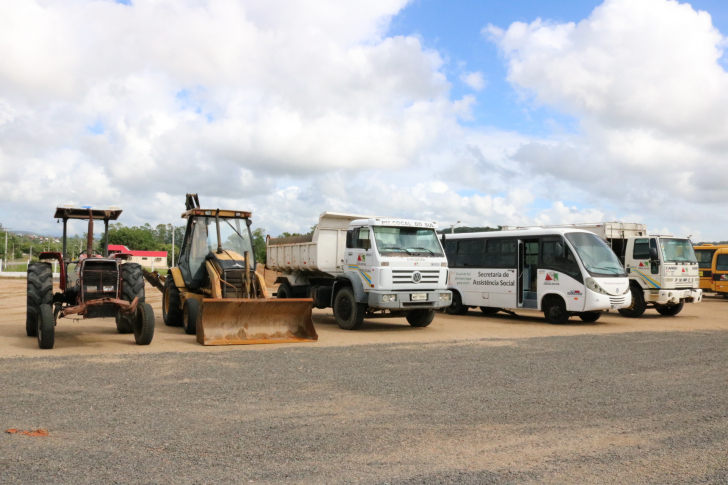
{"x": 364, "y": 267}
{"x": 663, "y": 270}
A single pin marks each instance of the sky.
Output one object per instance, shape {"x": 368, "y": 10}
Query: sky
{"x": 485, "y": 112}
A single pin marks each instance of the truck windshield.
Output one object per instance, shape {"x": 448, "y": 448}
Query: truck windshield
{"x": 677, "y": 250}
{"x": 234, "y": 235}
{"x": 404, "y": 241}
{"x": 597, "y": 257}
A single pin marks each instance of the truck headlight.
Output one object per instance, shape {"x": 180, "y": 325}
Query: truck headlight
{"x": 592, "y": 285}
{"x": 445, "y": 296}
{"x": 389, "y": 297}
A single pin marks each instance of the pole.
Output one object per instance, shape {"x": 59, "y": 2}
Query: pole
{"x": 6, "y": 248}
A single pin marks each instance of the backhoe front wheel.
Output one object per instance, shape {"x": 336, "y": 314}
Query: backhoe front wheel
{"x": 348, "y": 313}
{"x": 171, "y": 303}
{"x": 189, "y": 319}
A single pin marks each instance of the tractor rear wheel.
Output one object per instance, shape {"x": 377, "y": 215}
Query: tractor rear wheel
{"x": 40, "y": 292}
{"x": 132, "y": 282}
{"x": 171, "y": 303}
{"x": 144, "y": 324}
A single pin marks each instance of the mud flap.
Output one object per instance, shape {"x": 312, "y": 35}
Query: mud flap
{"x": 255, "y": 321}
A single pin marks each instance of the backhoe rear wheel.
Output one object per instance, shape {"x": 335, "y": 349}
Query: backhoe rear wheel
{"x": 171, "y": 310}
{"x": 40, "y": 292}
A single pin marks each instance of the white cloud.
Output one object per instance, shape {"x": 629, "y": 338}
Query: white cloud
{"x": 473, "y": 79}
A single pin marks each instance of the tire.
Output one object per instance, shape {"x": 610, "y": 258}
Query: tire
{"x": 132, "y": 282}
{"x": 348, "y": 313}
{"x": 456, "y": 306}
{"x": 144, "y": 324}
{"x": 46, "y": 327}
{"x": 590, "y": 317}
{"x": 489, "y": 310}
{"x": 554, "y": 309}
{"x": 189, "y": 319}
{"x": 420, "y": 318}
{"x": 638, "y": 306}
{"x": 171, "y": 311}
{"x": 40, "y": 292}
{"x": 725, "y": 295}
{"x": 124, "y": 323}
{"x": 284, "y": 290}
{"x": 670, "y": 310}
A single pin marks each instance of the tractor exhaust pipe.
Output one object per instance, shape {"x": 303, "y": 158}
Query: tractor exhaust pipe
{"x": 90, "y": 237}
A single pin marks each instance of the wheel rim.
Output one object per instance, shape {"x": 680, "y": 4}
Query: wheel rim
{"x": 345, "y": 308}
{"x": 555, "y": 312}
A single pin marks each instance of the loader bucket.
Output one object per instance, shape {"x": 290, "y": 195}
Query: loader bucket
{"x": 255, "y": 321}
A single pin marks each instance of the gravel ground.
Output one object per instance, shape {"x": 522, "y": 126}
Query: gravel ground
{"x": 617, "y": 408}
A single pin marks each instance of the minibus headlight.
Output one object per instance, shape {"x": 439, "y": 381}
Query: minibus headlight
{"x": 389, "y": 297}
{"x": 445, "y": 296}
{"x": 592, "y": 285}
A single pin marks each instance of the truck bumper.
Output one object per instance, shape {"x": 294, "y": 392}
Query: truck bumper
{"x": 404, "y": 301}
{"x": 673, "y": 297}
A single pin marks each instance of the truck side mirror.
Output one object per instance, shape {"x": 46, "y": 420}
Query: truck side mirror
{"x": 350, "y": 238}
{"x": 559, "y": 249}
{"x": 653, "y": 255}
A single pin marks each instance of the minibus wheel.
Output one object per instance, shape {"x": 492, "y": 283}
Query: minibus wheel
{"x": 554, "y": 309}
{"x": 456, "y": 306}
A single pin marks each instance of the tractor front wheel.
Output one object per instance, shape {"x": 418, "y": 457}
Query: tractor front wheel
{"x": 144, "y": 324}
{"x": 46, "y": 327}
{"x": 40, "y": 292}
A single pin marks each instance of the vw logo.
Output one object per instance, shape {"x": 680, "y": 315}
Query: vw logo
{"x": 416, "y": 276}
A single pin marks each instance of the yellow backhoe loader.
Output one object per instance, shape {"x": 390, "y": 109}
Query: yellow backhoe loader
{"x": 215, "y": 292}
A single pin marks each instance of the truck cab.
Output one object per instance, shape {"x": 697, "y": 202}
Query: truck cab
{"x": 664, "y": 272}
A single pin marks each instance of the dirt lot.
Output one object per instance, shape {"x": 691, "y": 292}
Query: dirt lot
{"x": 470, "y": 399}
{"x": 98, "y": 336}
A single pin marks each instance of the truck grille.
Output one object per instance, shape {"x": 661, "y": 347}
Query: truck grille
{"x": 100, "y": 280}
{"x": 404, "y": 276}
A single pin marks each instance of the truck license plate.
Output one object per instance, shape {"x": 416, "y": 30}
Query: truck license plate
{"x": 419, "y": 296}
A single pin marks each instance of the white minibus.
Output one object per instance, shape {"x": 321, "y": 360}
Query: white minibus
{"x": 560, "y": 271}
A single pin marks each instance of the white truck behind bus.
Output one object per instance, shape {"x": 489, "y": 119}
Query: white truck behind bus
{"x": 663, "y": 270}
{"x": 364, "y": 266}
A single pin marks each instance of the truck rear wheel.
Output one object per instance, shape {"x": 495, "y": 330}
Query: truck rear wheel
{"x": 40, "y": 292}
{"x": 191, "y": 310}
{"x": 554, "y": 309}
{"x": 284, "y": 290}
{"x": 420, "y": 318}
{"x": 348, "y": 313}
{"x": 456, "y": 306}
{"x": 144, "y": 324}
{"x": 638, "y": 306}
{"x": 670, "y": 310}
{"x": 46, "y": 327}
{"x": 171, "y": 311}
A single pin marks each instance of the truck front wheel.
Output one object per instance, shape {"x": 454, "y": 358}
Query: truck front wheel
{"x": 348, "y": 313}
{"x": 420, "y": 318}
{"x": 671, "y": 310}
{"x": 638, "y": 306}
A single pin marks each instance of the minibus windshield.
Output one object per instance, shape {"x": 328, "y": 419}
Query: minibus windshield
{"x": 595, "y": 255}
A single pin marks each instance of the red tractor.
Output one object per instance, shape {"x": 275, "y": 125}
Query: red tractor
{"x": 93, "y": 286}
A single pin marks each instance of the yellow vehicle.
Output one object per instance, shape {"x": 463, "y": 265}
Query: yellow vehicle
{"x": 720, "y": 272}
{"x": 705, "y": 253}
{"x": 214, "y": 291}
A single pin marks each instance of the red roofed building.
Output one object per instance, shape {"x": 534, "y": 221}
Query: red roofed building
{"x": 149, "y": 259}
